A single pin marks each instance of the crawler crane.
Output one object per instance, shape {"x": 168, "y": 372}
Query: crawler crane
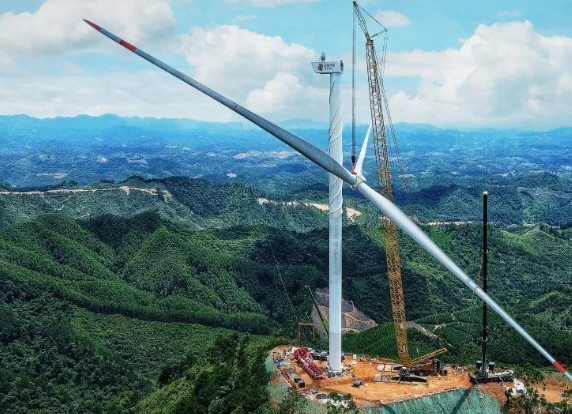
{"x": 429, "y": 363}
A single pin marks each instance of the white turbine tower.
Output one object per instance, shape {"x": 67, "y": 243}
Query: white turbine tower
{"x": 335, "y": 70}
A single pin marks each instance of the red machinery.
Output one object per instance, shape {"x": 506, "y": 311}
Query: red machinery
{"x": 307, "y": 362}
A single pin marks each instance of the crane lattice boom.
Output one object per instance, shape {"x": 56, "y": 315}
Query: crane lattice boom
{"x": 386, "y": 190}
{"x": 376, "y": 100}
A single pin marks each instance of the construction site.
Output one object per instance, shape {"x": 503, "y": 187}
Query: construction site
{"x": 376, "y": 380}
{"x": 372, "y": 381}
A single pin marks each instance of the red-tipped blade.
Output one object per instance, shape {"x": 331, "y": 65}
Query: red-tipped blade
{"x": 559, "y": 367}
{"x": 96, "y": 27}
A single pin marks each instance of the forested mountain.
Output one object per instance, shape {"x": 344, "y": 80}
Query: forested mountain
{"x": 198, "y": 203}
{"x": 192, "y": 203}
{"x": 528, "y": 173}
{"x": 100, "y": 312}
{"x": 147, "y": 265}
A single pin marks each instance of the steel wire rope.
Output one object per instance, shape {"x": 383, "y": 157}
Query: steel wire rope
{"x": 472, "y": 314}
{"x": 402, "y": 175}
{"x": 277, "y": 267}
{"x": 283, "y": 284}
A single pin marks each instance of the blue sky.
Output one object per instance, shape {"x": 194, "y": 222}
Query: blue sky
{"x": 435, "y": 24}
{"x": 450, "y": 63}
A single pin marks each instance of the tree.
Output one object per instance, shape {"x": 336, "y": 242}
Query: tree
{"x": 293, "y": 403}
{"x": 341, "y": 404}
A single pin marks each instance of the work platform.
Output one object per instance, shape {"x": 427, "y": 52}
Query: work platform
{"x": 378, "y": 376}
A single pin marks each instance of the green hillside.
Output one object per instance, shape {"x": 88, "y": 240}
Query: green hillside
{"x": 191, "y": 203}
{"x": 90, "y": 320}
{"x": 115, "y": 312}
{"x": 58, "y": 255}
{"x": 198, "y": 203}
{"x": 528, "y": 274}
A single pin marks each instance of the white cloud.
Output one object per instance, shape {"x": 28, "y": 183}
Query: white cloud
{"x": 271, "y": 3}
{"x": 503, "y": 75}
{"x": 149, "y": 93}
{"x": 263, "y": 72}
{"x": 280, "y": 93}
{"x": 236, "y": 61}
{"x": 285, "y": 97}
{"x": 392, "y": 18}
{"x": 57, "y": 26}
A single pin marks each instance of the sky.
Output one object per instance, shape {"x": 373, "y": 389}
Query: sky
{"x": 450, "y": 63}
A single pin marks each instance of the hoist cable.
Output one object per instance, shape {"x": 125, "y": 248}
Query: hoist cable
{"x": 283, "y": 284}
{"x": 354, "y": 93}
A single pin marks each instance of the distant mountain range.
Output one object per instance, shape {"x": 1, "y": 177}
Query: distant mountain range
{"x": 111, "y": 120}
{"x": 86, "y": 149}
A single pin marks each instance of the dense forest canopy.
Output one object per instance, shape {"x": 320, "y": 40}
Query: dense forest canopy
{"x": 126, "y": 286}
{"x": 105, "y": 293}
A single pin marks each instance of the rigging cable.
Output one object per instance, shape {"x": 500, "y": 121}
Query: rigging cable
{"x": 383, "y": 28}
{"x": 403, "y": 177}
{"x": 283, "y": 284}
{"x": 354, "y": 94}
{"x": 465, "y": 351}
{"x": 437, "y": 321}
{"x": 278, "y": 269}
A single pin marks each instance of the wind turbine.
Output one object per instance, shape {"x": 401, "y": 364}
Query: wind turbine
{"x": 320, "y": 158}
{"x": 335, "y": 211}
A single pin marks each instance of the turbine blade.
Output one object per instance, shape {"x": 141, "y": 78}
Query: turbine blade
{"x": 96, "y": 27}
{"x": 359, "y": 164}
{"x": 320, "y": 158}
